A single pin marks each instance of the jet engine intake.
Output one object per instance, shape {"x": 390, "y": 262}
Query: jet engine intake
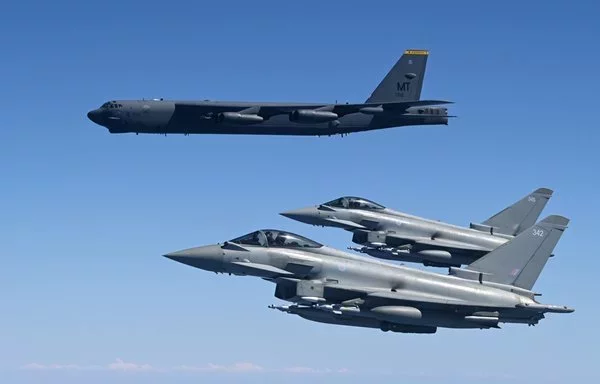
{"x": 310, "y": 116}
{"x": 238, "y": 118}
{"x": 373, "y": 238}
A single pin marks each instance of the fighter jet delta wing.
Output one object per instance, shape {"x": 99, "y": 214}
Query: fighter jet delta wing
{"x": 373, "y": 297}
{"x": 425, "y": 243}
{"x": 436, "y": 250}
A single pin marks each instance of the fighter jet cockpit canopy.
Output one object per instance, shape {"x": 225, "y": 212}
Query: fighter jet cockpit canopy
{"x": 275, "y": 239}
{"x": 351, "y": 202}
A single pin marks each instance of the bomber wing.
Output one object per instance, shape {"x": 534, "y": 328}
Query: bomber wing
{"x": 208, "y": 110}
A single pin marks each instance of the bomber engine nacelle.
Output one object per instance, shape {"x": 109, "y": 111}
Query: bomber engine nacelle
{"x": 238, "y": 118}
{"x": 311, "y": 116}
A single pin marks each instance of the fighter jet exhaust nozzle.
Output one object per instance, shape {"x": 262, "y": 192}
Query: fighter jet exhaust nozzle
{"x": 310, "y": 116}
{"x": 238, "y": 118}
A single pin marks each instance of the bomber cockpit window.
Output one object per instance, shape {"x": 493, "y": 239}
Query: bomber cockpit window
{"x": 280, "y": 239}
{"x": 354, "y": 203}
{"x": 111, "y": 105}
{"x": 254, "y": 238}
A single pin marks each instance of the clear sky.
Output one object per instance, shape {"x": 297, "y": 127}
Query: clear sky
{"x": 85, "y": 296}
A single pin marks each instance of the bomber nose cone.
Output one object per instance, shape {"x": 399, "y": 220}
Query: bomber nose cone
{"x": 95, "y": 116}
{"x": 209, "y": 257}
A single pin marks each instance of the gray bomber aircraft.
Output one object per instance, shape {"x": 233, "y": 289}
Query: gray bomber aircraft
{"x": 393, "y": 235}
{"x": 395, "y": 102}
{"x": 330, "y": 286}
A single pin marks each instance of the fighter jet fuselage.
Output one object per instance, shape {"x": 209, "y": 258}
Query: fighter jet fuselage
{"x": 389, "y": 234}
{"x": 327, "y": 285}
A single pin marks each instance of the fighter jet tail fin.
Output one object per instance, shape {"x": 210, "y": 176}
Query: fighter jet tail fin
{"x": 520, "y": 261}
{"x": 521, "y": 215}
{"x": 405, "y": 80}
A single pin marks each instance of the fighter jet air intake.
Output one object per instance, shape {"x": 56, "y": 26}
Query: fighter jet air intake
{"x": 329, "y": 286}
{"x": 394, "y": 103}
{"x": 389, "y": 234}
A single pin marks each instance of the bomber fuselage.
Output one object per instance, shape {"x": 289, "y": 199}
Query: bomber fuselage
{"x": 213, "y": 117}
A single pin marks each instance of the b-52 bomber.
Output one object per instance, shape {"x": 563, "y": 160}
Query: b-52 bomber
{"x": 389, "y": 234}
{"x": 395, "y": 102}
{"x": 330, "y": 286}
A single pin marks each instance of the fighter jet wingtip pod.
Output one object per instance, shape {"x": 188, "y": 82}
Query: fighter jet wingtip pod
{"x": 330, "y": 286}
{"x": 395, "y": 102}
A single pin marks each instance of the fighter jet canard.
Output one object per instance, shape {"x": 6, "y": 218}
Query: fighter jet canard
{"x": 330, "y": 286}
{"x": 389, "y": 234}
{"x": 395, "y": 102}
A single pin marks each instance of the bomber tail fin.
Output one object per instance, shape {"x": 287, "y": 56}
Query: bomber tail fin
{"x": 521, "y": 215}
{"x": 520, "y": 261}
{"x": 404, "y": 81}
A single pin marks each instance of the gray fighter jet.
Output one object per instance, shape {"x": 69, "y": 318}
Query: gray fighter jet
{"x": 395, "y": 102}
{"x": 393, "y": 235}
{"x": 330, "y": 286}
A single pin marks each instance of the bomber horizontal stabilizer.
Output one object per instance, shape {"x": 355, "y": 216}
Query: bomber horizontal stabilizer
{"x": 421, "y": 115}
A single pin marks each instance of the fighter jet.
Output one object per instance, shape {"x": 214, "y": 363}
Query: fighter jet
{"x": 330, "y": 286}
{"x": 395, "y": 102}
{"x": 389, "y": 234}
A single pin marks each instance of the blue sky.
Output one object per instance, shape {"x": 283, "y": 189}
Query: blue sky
{"x": 86, "y": 296}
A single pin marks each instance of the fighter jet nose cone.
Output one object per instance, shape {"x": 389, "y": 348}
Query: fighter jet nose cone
{"x": 208, "y": 257}
{"x": 179, "y": 256}
{"x": 297, "y": 214}
{"x": 172, "y": 256}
